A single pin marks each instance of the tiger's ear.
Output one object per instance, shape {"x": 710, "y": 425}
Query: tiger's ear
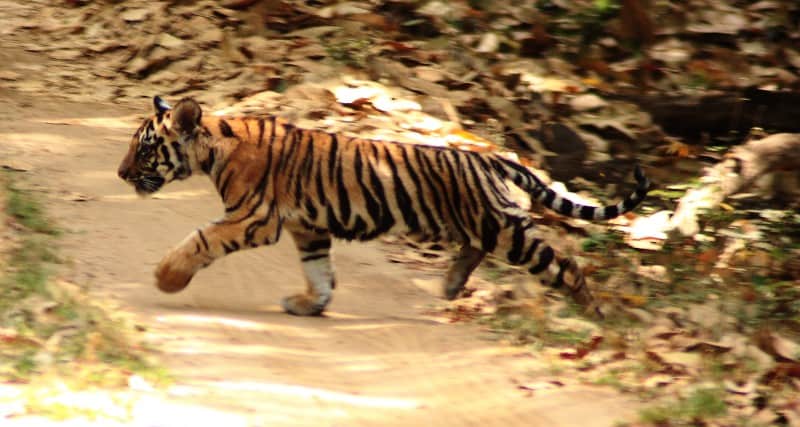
{"x": 187, "y": 115}
{"x": 160, "y": 105}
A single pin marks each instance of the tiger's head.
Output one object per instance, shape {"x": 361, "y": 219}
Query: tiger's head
{"x": 160, "y": 149}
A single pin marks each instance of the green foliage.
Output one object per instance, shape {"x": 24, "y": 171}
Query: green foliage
{"x": 525, "y": 330}
{"x": 350, "y": 51}
{"x": 28, "y": 210}
{"x": 77, "y": 333}
{"x": 774, "y": 300}
{"x": 601, "y": 242}
{"x": 701, "y": 405}
{"x": 25, "y": 365}
{"x": 604, "y": 6}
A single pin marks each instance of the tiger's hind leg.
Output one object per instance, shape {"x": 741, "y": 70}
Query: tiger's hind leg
{"x": 314, "y": 251}
{"x": 463, "y": 265}
{"x": 518, "y": 244}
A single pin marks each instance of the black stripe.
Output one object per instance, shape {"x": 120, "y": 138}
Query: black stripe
{"x": 419, "y": 191}
{"x": 454, "y": 191}
{"x": 629, "y": 203}
{"x": 472, "y": 202}
{"x": 309, "y": 226}
{"x": 321, "y": 189}
{"x": 529, "y": 253}
{"x": 296, "y": 163}
{"x": 206, "y": 165}
{"x": 545, "y": 258}
{"x": 403, "y": 199}
{"x": 272, "y": 121}
{"x": 260, "y": 139}
{"x": 559, "y": 280}
{"x": 489, "y": 231}
{"x": 233, "y": 246}
{"x": 517, "y": 242}
{"x": 237, "y": 205}
{"x": 264, "y": 180}
{"x": 247, "y": 129}
{"x": 308, "y": 258}
{"x": 373, "y": 209}
{"x": 359, "y": 227}
{"x": 252, "y": 228}
{"x": 301, "y": 141}
{"x": 385, "y": 219}
{"x": 303, "y": 172}
{"x": 222, "y": 168}
{"x": 335, "y": 226}
{"x": 548, "y": 198}
{"x": 341, "y": 190}
{"x": 290, "y": 140}
{"x": 225, "y": 128}
{"x": 316, "y": 245}
{"x": 566, "y": 207}
{"x": 333, "y": 154}
{"x": 202, "y": 238}
{"x": 447, "y": 204}
{"x": 431, "y": 186}
{"x": 610, "y": 212}
{"x": 311, "y": 209}
{"x": 176, "y": 146}
{"x": 499, "y": 195}
{"x": 167, "y": 161}
{"x": 223, "y": 190}
{"x": 587, "y": 212}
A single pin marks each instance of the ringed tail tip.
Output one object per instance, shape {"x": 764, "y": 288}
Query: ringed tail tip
{"x": 641, "y": 179}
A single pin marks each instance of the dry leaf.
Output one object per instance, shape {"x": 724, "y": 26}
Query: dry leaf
{"x": 777, "y": 346}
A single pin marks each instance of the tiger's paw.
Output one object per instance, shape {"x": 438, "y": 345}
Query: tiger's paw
{"x": 301, "y": 305}
{"x": 170, "y": 279}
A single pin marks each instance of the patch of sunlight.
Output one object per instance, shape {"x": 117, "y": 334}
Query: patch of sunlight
{"x": 122, "y": 197}
{"x": 366, "y": 367}
{"x": 64, "y": 403}
{"x": 102, "y": 173}
{"x": 336, "y": 315}
{"x": 120, "y": 122}
{"x": 53, "y": 143}
{"x": 312, "y": 393}
{"x": 213, "y": 320}
{"x": 162, "y": 195}
{"x": 204, "y": 347}
{"x": 197, "y": 319}
{"x": 368, "y": 326}
{"x": 152, "y": 411}
{"x": 180, "y": 195}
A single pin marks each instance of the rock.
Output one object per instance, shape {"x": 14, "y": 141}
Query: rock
{"x": 169, "y": 41}
{"x": 587, "y": 102}
{"x": 134, "y": 15}
{"x": 489, "y": 43}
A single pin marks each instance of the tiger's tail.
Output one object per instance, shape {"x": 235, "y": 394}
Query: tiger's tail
{"x": 526, "y": 180}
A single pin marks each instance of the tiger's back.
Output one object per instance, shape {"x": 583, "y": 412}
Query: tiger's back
{"x": 273, "y": 176}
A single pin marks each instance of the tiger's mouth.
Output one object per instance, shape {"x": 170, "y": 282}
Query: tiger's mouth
{"x": 146, "y": 185}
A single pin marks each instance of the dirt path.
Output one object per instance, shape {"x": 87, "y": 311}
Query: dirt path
{"x": 374, "y": 360}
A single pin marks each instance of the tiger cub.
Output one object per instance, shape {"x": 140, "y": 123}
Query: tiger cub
{"x": 273, "y": 176}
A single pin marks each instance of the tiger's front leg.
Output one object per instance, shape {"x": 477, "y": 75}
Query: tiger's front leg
{"x": 314, "y": 251}
{"x": 200, "y": 248}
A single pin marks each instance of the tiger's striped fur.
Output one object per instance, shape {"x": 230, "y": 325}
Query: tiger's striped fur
{"x": 273, "y": 176}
